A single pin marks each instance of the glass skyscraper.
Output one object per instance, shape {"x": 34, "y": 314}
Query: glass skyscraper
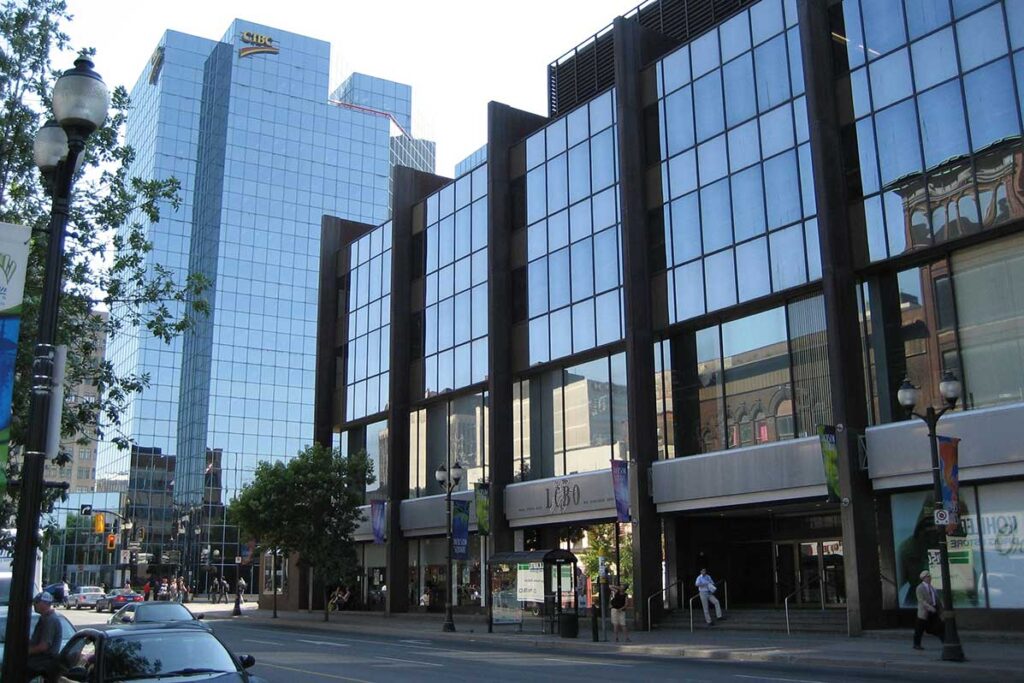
{"x": 263, "y": 150}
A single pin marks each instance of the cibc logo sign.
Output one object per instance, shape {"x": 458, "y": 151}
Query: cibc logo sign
{"x": 257, "y": 44}
{"x": 562, "y": 495}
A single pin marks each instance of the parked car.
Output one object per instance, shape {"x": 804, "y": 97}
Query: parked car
{"x": 85, "y": 596}
{"x": 66, "y": 629}
{"x": 115, "y": 600}
{"x": 156, "y": 613}
{"x": 153, "y": 652}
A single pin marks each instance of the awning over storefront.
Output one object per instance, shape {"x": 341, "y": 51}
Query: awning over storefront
{"x": 556, "y": 556}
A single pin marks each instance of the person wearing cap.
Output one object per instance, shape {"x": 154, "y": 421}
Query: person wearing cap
{"x": 44, "y": 645}
{"x": 618, "y": 604}
{"x": 928, "y": 610}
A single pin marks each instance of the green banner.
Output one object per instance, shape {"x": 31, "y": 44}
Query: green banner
{"x": 483, "y": 509}
{"x": 830, "y": 460}
{"x": 14, "y": 248}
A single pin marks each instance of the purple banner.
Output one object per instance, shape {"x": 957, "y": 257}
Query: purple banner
{"x": 377, "y": 520}
{"x": 460, "y": 529}
{"x": 620, "y": 486}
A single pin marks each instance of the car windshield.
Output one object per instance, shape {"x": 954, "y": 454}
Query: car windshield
{"x": 90, "y": 589}
{"x": 162, "y": 612}
{"x": 163, "y": 653}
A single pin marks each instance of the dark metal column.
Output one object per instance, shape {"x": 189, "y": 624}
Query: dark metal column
{"x": 846, "y": 376}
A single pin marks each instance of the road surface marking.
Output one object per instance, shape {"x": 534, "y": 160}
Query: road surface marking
{"x": 409, "y": 661}
{"x": 416, "y": 642}
{"x": 322, "y": 642}
{"x": 585, "y": 662}
{"x": 315, "y": 673}
{"x": 260, "y": 642}
{"x": 786, "y": 680}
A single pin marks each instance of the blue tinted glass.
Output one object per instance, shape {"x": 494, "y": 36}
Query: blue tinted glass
{"x": 577, "y": 125}
{"x": 558, "y": 230}
{"x": 800, "y": 118}
{"x": 605, "y": 209}
{"x": 926, "y": 15}
{"x": 462, "y": 366}
{"x": 720, "y": 280}
{"x": 744, "y": 146}
{"x": 689, "y": 290}
{"x": 558, "y": 278}
{"x": 579, "y": 220}
{"x": 536, "y": 195}
{"x": 766, "y": 20}
{"x": 579, "y": 173}
{"x": 796, "y": 64}
{"x": 707, "y": 95}
{"x": 807, "y": 181}
{"x": 584, "y": 334}
{"x": 712, "y": 160}
{"x": 895, "y": 219}
{"x": 813, "y": 249}
{"x": 538, "y": 287}
{"x": 462, "y": 317}
{"x": 943, "y": 129}
{"x": 555, "y": 134}
{"x": 479, "y": 229}
{"x": 704, "y": 54}
{"x": 534, "y": 150}
{"x": 860, "y": 92}
{"x": 582, "y": 270}
{"x": 479, "y": 360}
{"x": 934, "y": 59}
{"x": 991, "y": 109}
{"x": 479, "y": 266}
{"x": 608, "y": 317}
{"x": 752, "y": 269}
{"x": 446, "y": 282}
{"x": 539, "y": 340}
{"x": 883, "y": 25}
{"x": 781, "y": 189}
{"x": 776, "y": 131}
{"x": 738, "y": 79}
{"x": 463, "y": 274}
{"x": 479, "y": 311}
{"x": 962, "y": 7}
{"x": 890, "y": 79}
{"x": 1015, "y": 20}
{"x": 682, "y": 174}
{"x": 868, "y": 160}
{"x": 558, "y": 184}
{"x": 772, "y": 74}
{"x": 537, "y": 240}
{"x": 600, "y": 112}
{"x": 445, "y": 324}
{"x": 676, "y": 68}
{"x": 716, "y": 217}
{"x": 874, "y": 225}
{"x": 602, "y": 159}
{"x": 561, "y": 333}
{"x": 686, "y": 242}
{"x": 788, "y": 267}
{"x": 463, "y": 235}
{"x": 735, "y": 36}
{"x": 898, "y": 146}
{"x": 748, "y": 203}
{"x": 606, "y": 258}
{"x": 679, "y": 120}
{"x": 854, "y": 35}
{"x": 982, "y": 37}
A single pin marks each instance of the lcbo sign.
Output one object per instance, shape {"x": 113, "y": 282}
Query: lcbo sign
{"x": 562, "y": 495}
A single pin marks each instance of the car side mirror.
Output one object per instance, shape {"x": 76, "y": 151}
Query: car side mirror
{"x": 200, "y": 615}
{"x": 248, "y": 661}
{"x": 78, "y": 673}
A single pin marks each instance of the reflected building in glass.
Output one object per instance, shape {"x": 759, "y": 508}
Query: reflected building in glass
{"x": 737, "y": 224}
{"x": 262, "y": 149}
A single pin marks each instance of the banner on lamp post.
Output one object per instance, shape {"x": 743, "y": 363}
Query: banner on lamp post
{"x": 460, "y": 529}
{"x": 830, "y": 461}
{"x": 378, "y": 509}
{"x": 949, "y": 478}
{"x": 620, "y": 487}
{"x": 14, "y": 250}
{"x": 482, "y": 498}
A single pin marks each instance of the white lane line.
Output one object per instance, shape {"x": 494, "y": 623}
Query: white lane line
{"x": 416, "y": 642}
{"x": 785, "y": 680}
{"x": 586, "y": 662}
{"x": 315, "y": 673}
{"x": 323, "y": 642}
{"x": 260, "y": 642}
{"x": 409, "y": 661}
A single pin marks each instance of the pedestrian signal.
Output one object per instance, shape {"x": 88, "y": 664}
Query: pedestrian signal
{"x": 111, "y": 541}
{"x": 99, "y": 524}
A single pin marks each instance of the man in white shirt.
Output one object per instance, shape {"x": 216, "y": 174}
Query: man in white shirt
{"x": 706, "y": 589}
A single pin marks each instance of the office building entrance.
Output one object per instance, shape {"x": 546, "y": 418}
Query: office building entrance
{"x": 810, "y": 573}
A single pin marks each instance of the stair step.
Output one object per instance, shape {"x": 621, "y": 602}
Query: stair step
{"x": 808, "y": 621}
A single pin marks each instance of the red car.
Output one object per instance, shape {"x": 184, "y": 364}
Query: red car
{"x": 115, "y": 600}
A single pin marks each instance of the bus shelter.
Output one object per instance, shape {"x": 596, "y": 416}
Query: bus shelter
{"x": 535, "y": 591}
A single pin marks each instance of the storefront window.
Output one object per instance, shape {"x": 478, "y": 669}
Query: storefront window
{"x": 1002, "y": 537}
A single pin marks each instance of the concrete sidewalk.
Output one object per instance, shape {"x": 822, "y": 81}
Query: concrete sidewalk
{"x": 1001, "y": 657}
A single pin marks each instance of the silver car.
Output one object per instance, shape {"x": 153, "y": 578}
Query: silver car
{"x": 85, "y": 596}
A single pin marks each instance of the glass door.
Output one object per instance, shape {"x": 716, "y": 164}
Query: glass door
{"x": 834, "y": 578}
{"x": 785, "y": 571}
{"x": 810, "y": 572}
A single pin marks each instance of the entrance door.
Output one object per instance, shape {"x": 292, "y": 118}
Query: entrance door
{"x": 810, "y": 572}
{"x": 786, "y": 579}
{"x": 833, "y": 576}
{"x": 806, "y": 569}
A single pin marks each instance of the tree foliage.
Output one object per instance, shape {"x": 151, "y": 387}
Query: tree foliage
{"x": 601, "y": 543}
{"x": 108, "y": 264}
{"x": 309, "y": 506}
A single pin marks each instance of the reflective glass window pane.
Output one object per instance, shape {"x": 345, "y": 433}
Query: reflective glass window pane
{"x": 796, "y": 64}
{"x": 868, "y": 160}
{"x": 883, "y": 25}
{"x": 539, "y": 340}
{"x": 606, "y": 256}
{"x": 738, "y": 79}
{"x": 555, "y": 137}
{"x": 580, "y": 223}
{"x": 602, "y": 160}
{"x": 679, "y": 120}
{"x": 874, "y": 219}
{"x": 577, "y": 127}
{"x": 685, "y": 225}
{"x": 682, "y": 174}
{"x": 924, "y": 16}
{"x": 584, "y": 332}
{"x": 601, "y": 114}
{"x": 776, "y": 131}
{"x": 788, "y": 267}
{"x": 759, "y": 404}
{"x": 1015, "y": 20}
{"x": 766, "y": 19}
{"x": 712, "y": 160}
{"x": 538, "y": 287}
{"x": 752, "y": 269}
{"x": 479, "y": 311}
{"x": 462, "y": 317}
{"x": 536, "y": 199}
{"x": 558, "y": 184}
{"x": 582, "y": 270}
{"x": 608, "y": 318}
{"x": 558, "y": 278}
{"x": 748, "y": 205}
{"x": 708, "y": 115}
{"x": 813, "y": 249}
{"x": 445, "y": 282}
{"x": 772, "y": 74}
{"x": 704, "y": 54}
{"x": 890, "y": 79}
{"x": 676, "y": 68}
{"x": 934, "y": 59}
{"x": 534, "y": 150}
{"x": 735, "y": 36}
{"x": 854, "y": 35}
{"x": 446, "y": 370}
{"x": 558, "y": 230}
{"x": 445, "y": 324}
{"x": 800, "y": 119}
{"x": 807, "y": 181}
{"x": 579, "y": 172}
{"x": 898, "y": 143}
{"x": 605, "y": 209}
{"x": 781, "y": 187}
{"x": 943, "y": 129}
{"x": 561, "y": 333}
{"x": 462, "y": 366}
{"x": 991, "y": 109}
{"x": 744, "y": 146}
{"x": 689, "y": 291}
{"x": 720, "y": 280}
{"x": 861, "y": 92}
{"x": 480, "y": 366}
{"x": 463, "y": 235}
{"x": 479, "y": 224}
{"x": 982, "y": 37}
{"x": 716, "y": 216}
{"x": 536, "y": 240}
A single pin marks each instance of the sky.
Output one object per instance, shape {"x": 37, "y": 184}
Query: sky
{"x": 445, "y": 49}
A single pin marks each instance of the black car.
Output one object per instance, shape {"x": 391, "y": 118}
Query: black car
{"x": 156, "y": 613}
{"x": 152, "y": 652}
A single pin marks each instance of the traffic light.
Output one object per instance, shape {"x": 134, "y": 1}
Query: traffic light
{"x": 99, "y": 524}
{"x": 111, "y": 542}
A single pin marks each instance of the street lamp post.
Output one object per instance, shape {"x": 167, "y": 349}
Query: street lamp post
{"x": 449, "y": 480}
{"x": 80, "y": 102}
{"x": 908, "y": 396}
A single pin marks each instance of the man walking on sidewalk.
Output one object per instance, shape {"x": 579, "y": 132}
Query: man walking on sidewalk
{"x": 928, "y": 610}
{"x": 706, "y": 589}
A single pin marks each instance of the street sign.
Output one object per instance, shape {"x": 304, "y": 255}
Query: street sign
{"x": 238, "y": 559}
{"x": 126, "y": 557}
{"x": 941, "y": 517}
{"x": 85, "y": 510}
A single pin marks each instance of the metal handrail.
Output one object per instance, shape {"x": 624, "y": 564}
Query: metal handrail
{"x": 654, "y": 595}
{"x": 725, "y": 598}
{"x": 805, "y": 584}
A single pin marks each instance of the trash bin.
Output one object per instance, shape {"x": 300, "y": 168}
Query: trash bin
{"x": 568, "y": 625}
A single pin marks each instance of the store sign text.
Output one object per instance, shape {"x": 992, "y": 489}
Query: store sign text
{"x": 562, "y": 495}
{"x": 258, "y": 43}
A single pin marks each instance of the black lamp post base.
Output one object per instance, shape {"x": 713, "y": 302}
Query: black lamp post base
{"x": 449, "y": 627}
{"x": 952, "y": 651}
